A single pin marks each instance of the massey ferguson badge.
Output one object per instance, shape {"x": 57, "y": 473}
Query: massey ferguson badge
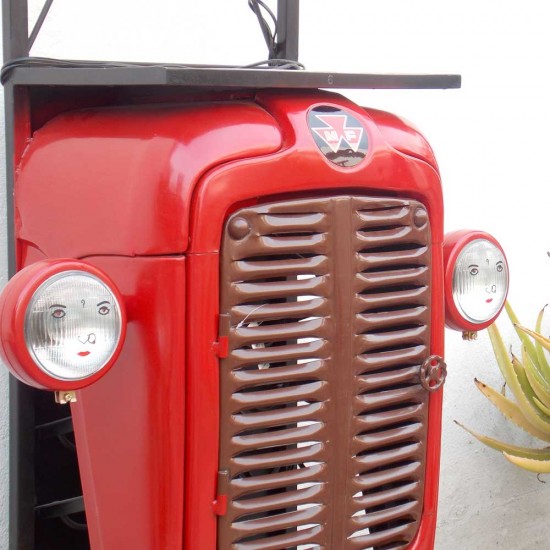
{"x": 339, "y": 135}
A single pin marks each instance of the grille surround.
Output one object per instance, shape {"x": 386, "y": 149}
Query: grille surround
{"x": 317, "y": 455}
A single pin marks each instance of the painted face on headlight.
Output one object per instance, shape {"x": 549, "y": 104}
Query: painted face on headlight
{"x": 72, "y": 326}
{"x": 480, "y": 280}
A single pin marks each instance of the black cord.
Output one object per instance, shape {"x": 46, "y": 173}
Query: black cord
{"x": 46, "y": 62}
{"x": 73, "y": 524}
{"x": 256, "y": 6}
{"x": 269, "y": 35}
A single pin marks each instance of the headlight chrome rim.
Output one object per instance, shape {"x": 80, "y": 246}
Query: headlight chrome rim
{"x": 456, "y": 316}
{"x": 14, "y": 303}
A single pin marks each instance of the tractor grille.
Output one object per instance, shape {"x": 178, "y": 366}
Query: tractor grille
{"x": 323, "y": 417}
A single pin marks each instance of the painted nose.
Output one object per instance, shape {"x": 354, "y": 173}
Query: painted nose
{"x": 90, "y": 339}
{"x": 491, "y": 289}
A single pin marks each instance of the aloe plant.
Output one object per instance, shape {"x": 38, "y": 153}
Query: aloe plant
{"x": 528, "y": 378}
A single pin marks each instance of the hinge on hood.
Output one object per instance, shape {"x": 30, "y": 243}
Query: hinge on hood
{"x": 220, "y": 504}
{"x": 221, "y": 347}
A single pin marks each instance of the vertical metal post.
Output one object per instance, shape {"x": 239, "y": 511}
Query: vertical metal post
{"x": 15, "y": 31}
{"x": 288, "y": 19}
{"x": 16, "y": 44}
{"x": 21, "y": 489}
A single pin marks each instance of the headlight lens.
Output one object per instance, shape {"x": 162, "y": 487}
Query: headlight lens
{"x": 480, "y": 281}
{"x": 72, "y": 325}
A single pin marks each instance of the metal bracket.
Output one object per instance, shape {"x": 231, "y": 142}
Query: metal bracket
{"x": 64, "y": 397}
{"x": 433, "y": 373}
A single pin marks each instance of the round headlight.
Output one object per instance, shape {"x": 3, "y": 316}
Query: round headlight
{"x": 62, "y": 324}
{"x": 72, "y": 325}
{"x": 478, "y": 273}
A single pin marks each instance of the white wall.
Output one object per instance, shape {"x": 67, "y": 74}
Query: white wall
{"x": 491, "y": 141}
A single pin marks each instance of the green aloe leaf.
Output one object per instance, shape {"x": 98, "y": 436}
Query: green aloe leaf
{"x": 532, "y": 414}
{"x": 536, "y": 380}
{"x": 542, "y": 340}
{"x": 525, "y": 452}
{"x": 529, "y": 346}
{"x": 543, "y": 365}
{"x": 527, "y": 388}
{"x": 541, "y": 406}
{"x": 510, "y": 410}
{"x": 530, "y": 464}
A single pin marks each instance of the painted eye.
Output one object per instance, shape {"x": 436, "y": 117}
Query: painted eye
{"x": 104, "y": 310}
{"x": 58, "y": 313}
{"x": 474, "y": 271}
{"x": 500, "y": 267}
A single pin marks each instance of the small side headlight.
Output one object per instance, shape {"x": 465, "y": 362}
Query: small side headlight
{"x": 476, "y": 280}
{"x": 62, "y": 324}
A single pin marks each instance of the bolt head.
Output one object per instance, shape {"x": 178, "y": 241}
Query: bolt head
{"x": 239, "y": 228}
{"x": 420, "y": 217}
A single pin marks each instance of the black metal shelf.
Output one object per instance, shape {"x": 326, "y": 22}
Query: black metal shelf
{"x": 222, "y": 78}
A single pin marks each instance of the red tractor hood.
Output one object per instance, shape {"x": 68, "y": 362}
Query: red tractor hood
{"x": 120, "y": 180}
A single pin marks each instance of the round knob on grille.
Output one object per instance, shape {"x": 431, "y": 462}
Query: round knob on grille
{"x": 433, "y": 373}
{"x": 420, "y": 217}
{"x": 239, "y": 228}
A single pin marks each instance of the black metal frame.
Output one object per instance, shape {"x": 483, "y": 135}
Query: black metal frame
{"x": 26, "y": 81}
{"x": 21, "y": 421}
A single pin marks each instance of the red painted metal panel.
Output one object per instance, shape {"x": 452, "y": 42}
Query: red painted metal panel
{"x": 402, "y": 136}
{"x": 129, "y": 426}
{"x": 202, "y": 407}
{"x": 119, "y": 180}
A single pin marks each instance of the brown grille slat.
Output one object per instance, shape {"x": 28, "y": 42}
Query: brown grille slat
{"x": 390, "y": 397}
{"x": 277, "y": 354}
{"x": 288, "y": 457}
{"x": 281, "y": 332}
{"x": 407, "y": 335}
{"x": 280, "y": 289}
{"x": 279, "y": 437}
{"x": 313, "y": 514}
{"x": 376, "y": 420}
{"x": 411, "y": 275}
{"x": 387, "y": 378}
{"x": 315, "y": 307}
{"x": 297, "y": 372}
{"x": 251, "y": 270}
{"x": 385, "y": 237}
{"x": 382, "y": 360}
{"x": 290, "y": 540}
{"x": 322, "y": 417}
{"x": 371, "y": 481}
{"x": 277, "y": 480}
{"x": 381, "y": 300}
{"x": 383, "y": 497}
{"x": 382, "y": 516}
{"x": 276, "y": 418}
{"x": 276, "y": 246}
{"x": 402, "y": 433}
{"x": 383, "y": 260}
{"x": 385, "y": 537}
{"x": 374, "y": 218}
{"x": 384, "y": 319}
{"x": 376, "y": 459}
{"x": 289, "y": 223}
{"x": 277, "y": 396}
{"x": 313, "y": 493}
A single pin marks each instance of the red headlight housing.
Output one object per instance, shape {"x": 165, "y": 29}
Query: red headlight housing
{"x": 62, "y": 324}
{"x": 476, "y": 280}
